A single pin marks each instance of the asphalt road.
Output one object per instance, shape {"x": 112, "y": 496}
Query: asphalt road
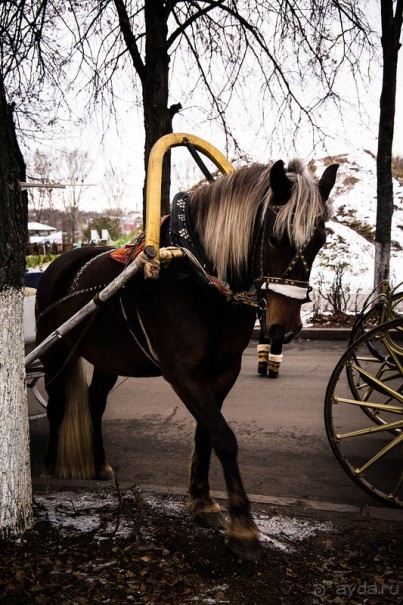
{"x": 283, "y": 448}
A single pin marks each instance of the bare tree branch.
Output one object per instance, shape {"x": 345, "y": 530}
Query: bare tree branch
{"x": 139, "y": 49}
{"x": 130, "y": 38}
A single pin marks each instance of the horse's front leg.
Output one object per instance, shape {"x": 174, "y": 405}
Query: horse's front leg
{"x": 196, "y": 393}
{"x": 204, "y": 509}
{"x": 243, "y": 534}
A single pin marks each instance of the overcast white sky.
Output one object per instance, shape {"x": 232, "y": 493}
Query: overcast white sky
{"x": 354, "y": 129}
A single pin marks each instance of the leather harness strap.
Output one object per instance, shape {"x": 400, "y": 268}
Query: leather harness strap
{"x": 289, "y": 287}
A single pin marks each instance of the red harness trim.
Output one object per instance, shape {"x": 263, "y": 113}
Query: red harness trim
{"x": 127, "y": 252}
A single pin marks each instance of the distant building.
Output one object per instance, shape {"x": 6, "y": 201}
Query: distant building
{"x": 39, "y": 229}
{"x": 131, "y": 222}
{"x": 44, "y": 236}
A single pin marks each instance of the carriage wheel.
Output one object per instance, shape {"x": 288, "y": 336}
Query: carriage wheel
{"x": 35, "y": 382}
{"x": 372, "y": 455}
{"x": 381, "y": 312}
{"x": 385, "y": 309}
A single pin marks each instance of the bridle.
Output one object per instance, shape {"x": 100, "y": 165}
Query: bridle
{"x": 284, "y": 285}
{"x": 291, "y": 288}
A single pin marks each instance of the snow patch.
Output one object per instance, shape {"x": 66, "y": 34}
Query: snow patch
{"x": 354, "y": 203}
{"x": 282, "y": 533}
{"x": 98, "y": 513}
{"x": 83, "y": 512}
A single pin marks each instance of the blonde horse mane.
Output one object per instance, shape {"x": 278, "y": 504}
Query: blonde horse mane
{"x": 225, "y": 213}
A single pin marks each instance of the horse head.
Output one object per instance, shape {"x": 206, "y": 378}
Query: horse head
{"x": 292, "y": 233}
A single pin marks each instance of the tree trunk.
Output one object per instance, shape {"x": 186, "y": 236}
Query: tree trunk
{"x": 15, "y": 476}
{"x": 157, "y": 117}
{"x": 154, "y": 77}
{"x": 391, "y": 28}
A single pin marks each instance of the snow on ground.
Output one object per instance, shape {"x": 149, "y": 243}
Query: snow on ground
{"x": 83, "y": 512}
{"x": 283, "y": 533}
{"x": 98, "y": 513}
{"x": 354, "y": 214}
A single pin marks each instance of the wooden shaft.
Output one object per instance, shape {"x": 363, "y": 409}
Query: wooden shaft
{"x": 90, "y": 307}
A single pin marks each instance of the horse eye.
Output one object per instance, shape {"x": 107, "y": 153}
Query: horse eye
{"x": 274, "y": 241}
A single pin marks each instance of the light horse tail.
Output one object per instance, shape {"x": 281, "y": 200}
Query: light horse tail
{"x": 75, "y": 457}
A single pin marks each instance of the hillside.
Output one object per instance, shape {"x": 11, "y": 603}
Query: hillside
{"x": 352, "y": 228}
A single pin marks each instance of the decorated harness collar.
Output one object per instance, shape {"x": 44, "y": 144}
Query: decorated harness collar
{"x": 182, "y": 232}
{"x": 183, "y": 236}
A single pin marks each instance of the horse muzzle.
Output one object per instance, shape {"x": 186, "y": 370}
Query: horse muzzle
{"x": 278, "y": 335}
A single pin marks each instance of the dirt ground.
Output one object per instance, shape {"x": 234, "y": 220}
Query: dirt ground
{"x": 110, "y": 545}
{"x": 123, "y": 546}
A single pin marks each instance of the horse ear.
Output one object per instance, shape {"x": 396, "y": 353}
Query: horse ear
{"x": 279, "y": 183}
{"x": 327, "y": 181}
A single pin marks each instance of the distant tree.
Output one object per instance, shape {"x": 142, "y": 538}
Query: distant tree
{"x": 73, "y": 167}
{"x": 113, "y": 225}
{"x": 114, "y": 186}
{"x": 391, "y": 31}
{"x": 15, "y": 475}
{"x": 40, "y": 199}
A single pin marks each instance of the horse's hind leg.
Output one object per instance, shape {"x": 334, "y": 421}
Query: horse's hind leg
{"x": 100, "y": 387}
{"x": 70, "y": 451}
{"x": 55, "y": 387}
{"x": 55, "y": 412}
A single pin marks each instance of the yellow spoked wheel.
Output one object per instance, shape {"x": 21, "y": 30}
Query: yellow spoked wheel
{"x": 369, "y": 446}
{"x": 387, "y": 307}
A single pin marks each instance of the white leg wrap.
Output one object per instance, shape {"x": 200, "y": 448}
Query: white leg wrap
{"x": 274, "y": 364}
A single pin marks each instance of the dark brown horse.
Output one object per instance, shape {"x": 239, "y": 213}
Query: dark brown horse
{"x": 260, "y": 225}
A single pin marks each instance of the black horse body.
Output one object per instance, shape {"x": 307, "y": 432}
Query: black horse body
{"x": 176, "y": 327}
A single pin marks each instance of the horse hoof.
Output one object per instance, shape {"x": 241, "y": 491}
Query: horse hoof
{"x": 262, "y": 369}
{"x": 273, "y": 374}
{"x": 211, "y": 520}
{"x": 104, "y": 473}
{"x": 247, "y": 549}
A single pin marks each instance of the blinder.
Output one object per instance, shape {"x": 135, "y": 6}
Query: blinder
{"x": 292, "y": 288}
